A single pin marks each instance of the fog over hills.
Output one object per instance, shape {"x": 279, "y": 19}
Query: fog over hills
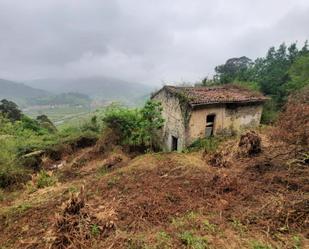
{"x": 100, "y": 87}
{"x": 97, "y": 88}
{"x": 19, "y": 92}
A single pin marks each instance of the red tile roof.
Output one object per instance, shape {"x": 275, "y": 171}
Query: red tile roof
{"x": 219, "y": 94}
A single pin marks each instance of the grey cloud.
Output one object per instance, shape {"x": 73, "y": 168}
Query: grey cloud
{"x": 146, "y": 41}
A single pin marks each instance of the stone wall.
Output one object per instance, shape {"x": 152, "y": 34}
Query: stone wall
{"x": 197, "y": 123}
{"x": 243, "y": 116}
{"x": 229, "y": 119}
{"x": 174, "y": 121}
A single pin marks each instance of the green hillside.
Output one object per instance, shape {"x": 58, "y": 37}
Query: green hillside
{"x": 19, "y": 92}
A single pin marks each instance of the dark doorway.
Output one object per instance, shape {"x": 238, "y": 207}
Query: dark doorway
{"x": 210, "y": 124}
{"x": 174, "y": 143}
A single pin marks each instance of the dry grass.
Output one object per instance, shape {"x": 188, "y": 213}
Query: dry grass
{"x": 166, "y": 200}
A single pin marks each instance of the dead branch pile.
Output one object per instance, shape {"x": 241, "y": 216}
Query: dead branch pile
{"x": 218, "y": 159}
{"x": 224, "y": 156}
{"x": 76, "y": 227}
{"x": 250, "y": 143}
{"x": 282, "y": 214}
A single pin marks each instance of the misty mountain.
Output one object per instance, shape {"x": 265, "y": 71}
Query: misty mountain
{"x": 99, "y": 88}
{"x": 69, "y": 99}
{"x": 18, "y": 92}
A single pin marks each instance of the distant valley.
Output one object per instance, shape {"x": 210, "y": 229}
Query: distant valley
{"x": 98, "y": 88}
{"x": 65, "y": 99}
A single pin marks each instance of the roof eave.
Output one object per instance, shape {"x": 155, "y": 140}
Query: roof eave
{"x": 227, "y": 102}
{"x": 157, "y": 92}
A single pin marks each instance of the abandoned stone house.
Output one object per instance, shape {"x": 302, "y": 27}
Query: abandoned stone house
{"x": 197, "y": 112}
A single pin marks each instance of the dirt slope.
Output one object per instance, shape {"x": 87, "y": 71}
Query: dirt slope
{"x": 164, "y": 200}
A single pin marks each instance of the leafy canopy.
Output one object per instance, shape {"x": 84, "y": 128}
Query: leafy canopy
{"x": 10, "y": 110}
{"x": 281, "y": 72}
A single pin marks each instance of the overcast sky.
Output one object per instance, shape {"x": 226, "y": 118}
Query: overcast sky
{"x": 147, "y": 41}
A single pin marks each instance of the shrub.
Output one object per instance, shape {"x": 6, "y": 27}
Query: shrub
{"x": 91, "y": 125}
{"x": 46, "y": 123}
{"x": 12, "y": 175}
{"x": 45, "y": 180}
{"x": 11, "y": 172}
{"x": 24, "y": 141}
{"x": 124, "y": 123}
{"x": 135, "y": 127}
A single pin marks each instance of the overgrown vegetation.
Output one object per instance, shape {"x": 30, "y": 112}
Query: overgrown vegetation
{"x": 293, "y": 123}
{"x": 45, "y": 179}
{"x": 280, "y": 73}
{"x": 23, "y": 140}
{"x": 135, "y": 127}
{"x": 250, "y": 193}
{"x": 209, "y": 144}
{"x": 193, "y": 241}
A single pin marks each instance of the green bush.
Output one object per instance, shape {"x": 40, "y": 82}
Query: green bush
{"x": 45, "y": 180}
{"x": 136, "y": 127}
{"x": 21, "y": 140}
{"x": 10, "y": 171}
{"x": 91, "y": 125}
{"x": 12, "y": 175}
{"x": 46, "y": 123}
{"x": 123, "y": 121}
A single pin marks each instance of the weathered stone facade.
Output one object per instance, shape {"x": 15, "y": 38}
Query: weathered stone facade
{"x": 184, "y": 123}
{"x": 228, "y": 119}
{"x": 174, "y": 121}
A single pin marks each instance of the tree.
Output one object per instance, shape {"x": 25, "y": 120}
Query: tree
{"x": 10, "y": 110}
{"x": 46, "y": 123}
{"x": 299, "y": 74}
{"x": 234, "y": 68}
{"x": 272, "y": 71}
